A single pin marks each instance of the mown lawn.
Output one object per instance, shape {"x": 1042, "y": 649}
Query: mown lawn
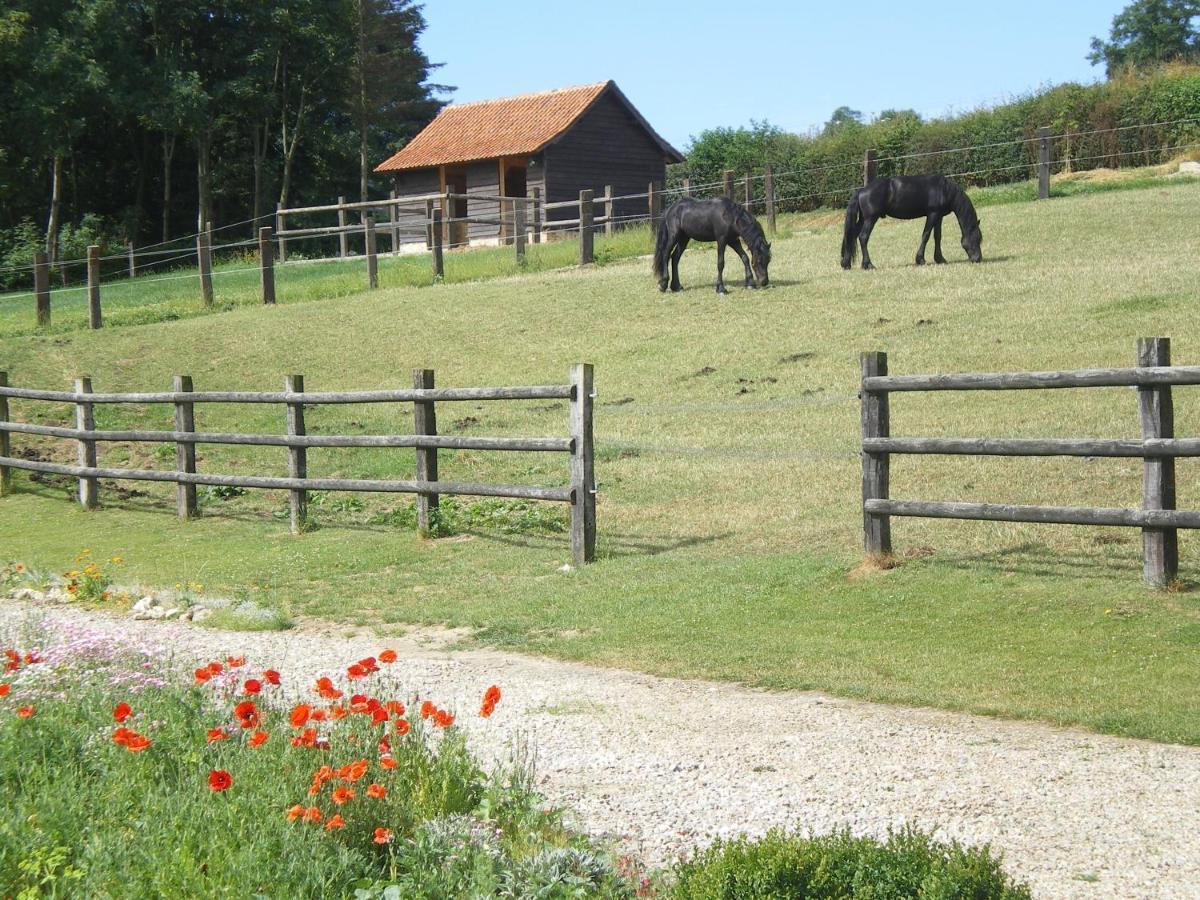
{"x": 727, "y": 429}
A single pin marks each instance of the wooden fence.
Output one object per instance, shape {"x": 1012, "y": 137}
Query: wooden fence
{"x": 580, "y": 493}
{"x": 1159, "y": 448}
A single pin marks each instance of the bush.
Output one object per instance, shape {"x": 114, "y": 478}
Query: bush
{"x": 909, "y": 864}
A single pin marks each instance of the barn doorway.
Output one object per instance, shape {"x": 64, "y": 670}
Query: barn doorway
{"x": 455, "y": 181}
{"x": 513, "y": 180}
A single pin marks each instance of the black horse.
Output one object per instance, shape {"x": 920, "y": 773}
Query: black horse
{"x": 719, "y": 220}
{"x": 910, "y": 197}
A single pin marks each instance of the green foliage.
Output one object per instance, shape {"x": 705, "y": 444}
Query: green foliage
{"x": 909, "y": 864}
{"x": 453, "y": 516}
{"x": 1149, "y": 33}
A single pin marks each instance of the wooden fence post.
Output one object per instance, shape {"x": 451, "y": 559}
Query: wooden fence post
{"x": 439, "y": 270}
{"x": 537, "y": 215}
{"x": 343, "y": 238}
{"x": 5, "y": 443}
{"x": 425, "y": 423}
{"x": 394, "y": 221}
{"x": 877, "y": 529}
{"x": 372, "y": 256}
{"x": 428, "y": 224}
{"x": 41, "y": 288}
{"x": 583, "y": 473}
{"x": 185, "y": 451}
{"x": 95, "y": 320}
{"x": 687, "y": 187}
{"x": 297, "y": 456}
{"x": 654, "y": 203}
{"x": 585, "y": 228}
{"x": 266, "y": 264}
{"x": 132, "y": 259}
{"x": 1043, "y": 163}
{"x": 518, "y": 206}
{"x": 769, "y": 190}
{"x": 1160, "y": 546}
{"x": 727, "y": 183}
{"x": 749, "y": 191}
{"x": 279, "y": 229}
{"x": 85, "y": 420}
{"x": 610, "y": 218}
{"x": 204, "y": 258}
{"x": 869, "y": 167}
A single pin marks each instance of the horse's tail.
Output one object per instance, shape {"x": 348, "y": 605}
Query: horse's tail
{"x": 662, "y": 243}
{"x": 851, "y": 231}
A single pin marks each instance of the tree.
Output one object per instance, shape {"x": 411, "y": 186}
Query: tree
{"x": 842, "y": 117}
{"x": 1147, "y": 33}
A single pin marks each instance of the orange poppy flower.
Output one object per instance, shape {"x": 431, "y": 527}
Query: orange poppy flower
{"x": 335, "y": 823}
{"x": 443, "y": 719}
{"x": 319, "y": 715}
{"x": 312, "y": 814}
{"x": 272, "y": 676}
{"x": 403, "y": 727}
{"x": 326, "y": 689}
{"x": 487, "y": 709}
{"x": 342, "y": 795}
{"x": 395, "y": 707}
{"x": 121, "y": 735}
{"x": 219, "y": 780}
{"x": 235, "y": 662}
{"x": 383, "y": 835}
{"x": 121, "y": 712}
{"x": 295, "y": 812}
{"x": 202, "y": 675}
{"x": 355, "y": 672}
{"x": 136, "y": 743}
{"x": 300, "y": 715}
{"x": 4, "y": 689}
{"x": 217, "y": 734}
{"x": 252, "y": 686}
{"x": 215, "y": 668}
{"x": 307, "y": 738}
{"x": 387, "y": 762}
{"x": 338, "y": 712}
{"x": 25, "y": 712}
{"x": 492, "y": 695}
{"x": 387, "y": 656}
{"x": 427, "y": 709}
{"x": 376, "y": 791}
{"x": 258, "y": 739}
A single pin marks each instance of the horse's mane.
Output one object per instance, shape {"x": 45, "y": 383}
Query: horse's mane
{"x": 751, "y": 232}
{"x": 968, "y": 219}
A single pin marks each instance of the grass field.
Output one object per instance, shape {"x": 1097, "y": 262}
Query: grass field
{"x": 727, "y": 428}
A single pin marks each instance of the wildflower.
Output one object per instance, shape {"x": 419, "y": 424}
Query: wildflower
{"x": 4, "y": 689}
{"x": 202, "y": 675}
{"x": 136, "y": 743}
{"x": 272, "y": 676}
{"x": 387, "y": 762}
{"x": 376, "y": 791}
{"x": 427, "y": 709}
{"x": 20, "y": 567}
{"x": 312, "y": 814}
{"x": 258, "y": 738}
{"x": 300, "y": 715}
{"x": 443, "y": 719}
{"x": 369, "y": 664}
{"x": 295, "y": 812}
{"x": 235, "y": 662}
{"x": 25, "y": 712}
{"x": 219, "y": 780}
{"x": 215, "y": 668}
{"x": 403, "y": 727}
{"x": 32, "y": 657}
{"x": 319, "y": 715}
{"x": 247, "y": 714}
{"x": 306, "y": 738}
{"x": 338, "y": 712}
{"x": 490, "y": 698}
{"x": 383, "y": 836}
{"x": 387, "y": 656}
{"x": 252, "y": 686}
{"x": 395, "y": 707}
{"x": 335, "y": 823}
{"x": 116, "y": 560}
{"x": 217, "y": 734}
{"x": 326, "y": 689}
{"x": 356, "y": 671}
{"x": 342, "y": 795}
{"x": 379, "y": 717}
{"x": 121, "y": 712}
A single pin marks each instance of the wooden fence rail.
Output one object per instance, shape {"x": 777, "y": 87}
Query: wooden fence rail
{"x": 580, "y": 493}
{"x": 1159, "y": 448}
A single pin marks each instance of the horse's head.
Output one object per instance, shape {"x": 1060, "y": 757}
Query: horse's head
{"x": 761, "y": 254}
{"x": 971, "y": 241}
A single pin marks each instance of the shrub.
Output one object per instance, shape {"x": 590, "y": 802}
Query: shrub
{"x": 909, "y": 864}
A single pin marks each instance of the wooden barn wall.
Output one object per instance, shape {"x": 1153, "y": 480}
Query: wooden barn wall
{"x": 605, "y": 146}
{"x": 417, "y": 181}
{"x": 483, "y": 178}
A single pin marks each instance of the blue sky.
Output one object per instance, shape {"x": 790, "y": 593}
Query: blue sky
{"x": 695, "y": 64}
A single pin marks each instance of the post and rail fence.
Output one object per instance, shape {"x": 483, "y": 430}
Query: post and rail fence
{"x": 1153, "y": 376}
{"x": 579, "y": 493}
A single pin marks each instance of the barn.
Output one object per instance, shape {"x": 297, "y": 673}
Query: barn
{"x": 559, "y": 142}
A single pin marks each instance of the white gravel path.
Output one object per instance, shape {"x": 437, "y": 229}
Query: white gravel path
{"x": 664, "y": 765}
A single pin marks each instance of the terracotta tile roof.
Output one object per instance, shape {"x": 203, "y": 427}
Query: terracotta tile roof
{"x": 511, "y": 126}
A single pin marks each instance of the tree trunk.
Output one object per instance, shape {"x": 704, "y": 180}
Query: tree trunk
{"x": 168, "y": 156}
{"x": 204, "y": 179}
{"x": 362, "y": 98}
{"x": 290, "y": 143}
{"x": 55, "y": 210}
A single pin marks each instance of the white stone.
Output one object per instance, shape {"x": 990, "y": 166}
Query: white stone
{"x": 201, "y": 613}
{"x": 1189, "y": 168}
{"x": 143, "y": 605}
{"x": 566, "y": 568}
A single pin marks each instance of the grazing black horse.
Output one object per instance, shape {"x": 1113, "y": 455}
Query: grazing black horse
{"x": 719, "y": 220}
{"x": 910, "y": 197}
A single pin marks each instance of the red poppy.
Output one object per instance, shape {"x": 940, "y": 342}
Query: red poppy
{"x": 312, "y": 814}
{"x": 215, "y": 668}
{"x": 219, "y": 780}
{"x": 235, "y": 662}
{"x": 25, "y": 712}
{"x": 487, "y": 709}
{"x": 376, "y": 791}
{"x": 4, "y": 689}
{"x": 395, "y": 707}
{"x": 121, "y": 736}
{"x": 443, "y": 719}
{"x": 319, "y": 715}
{"x": 295, "y": 812}
{"x": 306, "y": 738}
{"x": 492, "y": 695}
{"x": 252, "y": 686}
{"x": 387, "y": 656}
{"x": 272, "y": 676}
{"x": 136, "y": 743}
{"x": 335, "y": 823}
{"x": 342, "y": 795}
{"x": 355, "y": 672}
{"x": 387, "y": 762}
{"x": 121, "y": 712}
{"x": 258, "y": 738}
{"x": 369, "y": 664}
{"x": 403, "y": 727}
{"x": 202, "y": 675}
{"x": 32, "y": 657}
{"x": 338, "y": 712}
{"x": 379, "y": 717}
{"x": 326, "y": 689}
{"x": 427, "y": 709}
{"x": 300, "y": 715}
{"x": 383, "y": 836}
{"x": 217, "y": 734}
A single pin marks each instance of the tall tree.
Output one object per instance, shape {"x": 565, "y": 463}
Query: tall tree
{"x": 1148, "y": 33}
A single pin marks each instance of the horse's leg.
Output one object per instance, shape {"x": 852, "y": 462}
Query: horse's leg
{"x": 937, "y": 242}
{"x": 721, "y": 266}
{"x": 680, "y": 246}
{"x": 863, "y": 237}
{"x": 929, "y": 225}
{"x": 738, "y": 249}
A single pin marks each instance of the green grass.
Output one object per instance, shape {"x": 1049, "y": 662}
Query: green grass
{"x": 727, "y": 430}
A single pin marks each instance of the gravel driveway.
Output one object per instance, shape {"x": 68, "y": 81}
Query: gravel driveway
{"x": 663, "y": 765}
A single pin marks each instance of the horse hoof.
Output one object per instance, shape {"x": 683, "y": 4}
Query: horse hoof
{"x": 867, "y": 267}
{"x": 662, "y": 286}
{"x": 920, "y": 260}
{"x": 940, "y": 262}
{"x": 722, "y": 290}
{"x": 676, "y": 288}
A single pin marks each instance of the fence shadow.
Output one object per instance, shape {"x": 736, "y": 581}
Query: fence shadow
{"x": 1043, "y": 561}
